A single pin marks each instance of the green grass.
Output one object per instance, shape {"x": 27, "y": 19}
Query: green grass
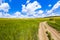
{"x": 55, "y": 23}
{"x": 19, "y": 29}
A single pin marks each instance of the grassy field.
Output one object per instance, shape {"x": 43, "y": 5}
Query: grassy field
{"x": 24, "y": 29}
{"x": 19, "y": 29}
{"x": 55, "y": 23}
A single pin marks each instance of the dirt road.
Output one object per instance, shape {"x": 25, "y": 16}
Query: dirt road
{"x": 43, "y": 27}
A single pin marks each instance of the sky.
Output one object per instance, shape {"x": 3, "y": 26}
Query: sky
{"x": 29, "y": 8}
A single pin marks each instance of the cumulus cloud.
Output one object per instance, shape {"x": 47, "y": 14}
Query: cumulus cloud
{"x": 40, "y": 11}
{"x": 4, "y": 7}
{"x": 31, "y": 8}
{"x": 1, "y": 14}
{"x": 4, "y": 15}
{"x": 53, "y": 14}
{"x": 7, "y": 15}
{"x": 41, "y": 15}
{"x": 17, "y": 14}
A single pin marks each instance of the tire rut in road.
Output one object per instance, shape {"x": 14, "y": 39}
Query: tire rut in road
{"x": 43, "y": 27}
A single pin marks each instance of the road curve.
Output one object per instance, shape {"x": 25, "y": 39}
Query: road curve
{"x": 43, "y": 27}
{"x": 42, "y": 32}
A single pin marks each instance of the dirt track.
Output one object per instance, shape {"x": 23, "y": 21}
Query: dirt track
{"x": 43, "y": 27}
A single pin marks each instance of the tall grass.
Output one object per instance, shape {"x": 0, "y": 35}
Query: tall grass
{"x": 55, "y": 23}
{"x": 19, "y": 29}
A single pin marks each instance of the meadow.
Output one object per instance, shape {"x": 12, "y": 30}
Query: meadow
{"x": 55, "y": 23}
{"x": 19, "y": 29}
{"x": 24, "y": 29}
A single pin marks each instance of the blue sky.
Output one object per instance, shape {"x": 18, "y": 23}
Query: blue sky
{"x": 16, "y": 5}
{"x": 29, "y": 8}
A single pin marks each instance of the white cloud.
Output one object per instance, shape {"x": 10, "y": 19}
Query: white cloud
{"x": 54, "y": 7}
{"x": 4, "y": 7}
{"x": 17, "y": 14}
{"x": 40, "y": 11}
{"x": 1, "y": 14}
{"x": 42, "y": 15}
{"x": 55, "y": 10}
{"x": 53, "y": 14}
{"x": 28, "y": 1}
{"x": 49, "y": 5}
{"x": 30, "y": 8}
{"x": 7, "y": 15}
{"x": 4, "y": 15}
{"x": 0, "y": 1}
